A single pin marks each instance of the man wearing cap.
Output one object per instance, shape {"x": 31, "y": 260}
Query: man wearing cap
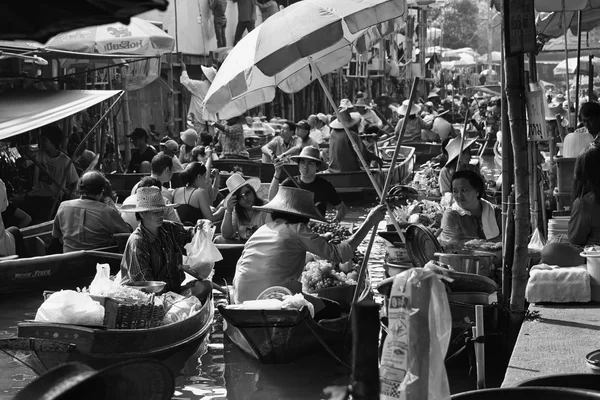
{"x": 87, "y": 223}
{"x": 170, "y": 148}
{"x": 309, "y": 162}
{"x": 342, "y": 156}
{"x": 282, "y": 146}
{"x": 199, "y": 89}
{"x": 143, "y": 154}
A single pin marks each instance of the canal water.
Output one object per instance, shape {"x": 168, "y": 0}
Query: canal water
{"x": 218, "y": 370}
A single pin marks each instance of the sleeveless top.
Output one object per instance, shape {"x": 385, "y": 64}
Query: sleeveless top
{"x": 188, "y": 214}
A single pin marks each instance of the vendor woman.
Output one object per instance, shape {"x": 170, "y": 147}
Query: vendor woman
{"x": 275, "y": 254}
{"x": 471, "y": 216}
{"x": 154, "y": 250}
{"x": 455, "y": 162}
{"x": 584, "y": 224}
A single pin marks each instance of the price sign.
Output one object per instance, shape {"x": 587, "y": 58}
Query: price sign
{"x": 519, "y": 26}
{"x": 536, "y": 116}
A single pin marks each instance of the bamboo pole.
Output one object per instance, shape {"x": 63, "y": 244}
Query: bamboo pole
{"x": 126, "y": 117}
{"x": 478, "y": 332}
{"x": 577, "y": 73}
{"x": 115, "y": 131}
{"x": 565, "y": 28}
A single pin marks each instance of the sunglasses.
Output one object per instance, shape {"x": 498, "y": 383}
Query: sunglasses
{"x": 247, "y": 193}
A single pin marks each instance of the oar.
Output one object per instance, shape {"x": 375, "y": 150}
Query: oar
{"x": 363, "y": 268}
{"x": 462, "y": 139}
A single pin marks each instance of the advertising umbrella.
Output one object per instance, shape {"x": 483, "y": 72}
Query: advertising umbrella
{"x": 140, "y": 37}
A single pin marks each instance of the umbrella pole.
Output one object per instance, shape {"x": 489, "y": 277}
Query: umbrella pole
{"x": 566, "y": 62}
{"x": 356, "y": 149}
{"x": 577, "y": 73}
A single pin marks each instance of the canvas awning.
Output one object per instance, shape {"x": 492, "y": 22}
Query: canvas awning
{"x": 24, "y": 111}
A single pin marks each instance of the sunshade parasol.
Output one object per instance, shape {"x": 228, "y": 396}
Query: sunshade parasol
{"x": 140, "y": 37}
{"x": 561, "y": 68}
{"x": 552, "y": 24}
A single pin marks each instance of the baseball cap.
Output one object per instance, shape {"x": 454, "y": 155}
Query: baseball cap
{"x": 170, "y": 145}
{"x": 303, "y": 125}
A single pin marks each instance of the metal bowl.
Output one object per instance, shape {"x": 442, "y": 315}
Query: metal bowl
{"x": 148, "y": 286}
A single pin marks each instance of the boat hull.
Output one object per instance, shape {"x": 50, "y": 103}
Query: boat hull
{"x": 279, "y": 336}
{"x": 172, "y": 344}
{"x": 68, "y": 270}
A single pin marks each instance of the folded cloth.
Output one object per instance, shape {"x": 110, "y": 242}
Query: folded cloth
{"x": 554, "y": 284}
{"x": 489, "y": 224}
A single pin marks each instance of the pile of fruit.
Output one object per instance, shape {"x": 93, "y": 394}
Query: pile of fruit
{"x": 425, "y": 212}
{"x": 426, "y": 180}
{"x": 336, "y": 233}
{"x": 321, "y": 274}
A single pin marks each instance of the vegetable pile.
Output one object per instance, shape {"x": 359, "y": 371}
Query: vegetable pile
{"x": 426, "y": 180}
{"x": 425, "y": 212}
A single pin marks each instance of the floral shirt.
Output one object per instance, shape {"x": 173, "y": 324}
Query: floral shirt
{"x": 232, "y": 141}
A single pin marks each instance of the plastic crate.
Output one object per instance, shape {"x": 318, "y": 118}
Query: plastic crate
{"x": 565, "y": 173}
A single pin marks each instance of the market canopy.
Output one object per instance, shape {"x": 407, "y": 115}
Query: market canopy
{"x": 24, "y": 111}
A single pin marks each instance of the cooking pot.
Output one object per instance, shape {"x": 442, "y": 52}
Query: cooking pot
{"x": 471, "y": 262}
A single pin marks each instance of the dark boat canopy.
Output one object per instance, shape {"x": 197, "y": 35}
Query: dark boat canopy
{"x": 24, "y": 111}
{"x": 41, "y": 19}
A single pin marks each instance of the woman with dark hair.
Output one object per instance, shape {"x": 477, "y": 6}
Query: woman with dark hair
{"x": 195, "y": 196}
{"x": 471, "y": 216}
{"x": 241, "y": 220}
{"x": 275, "y": 254}
{"x": 584, "y": 225}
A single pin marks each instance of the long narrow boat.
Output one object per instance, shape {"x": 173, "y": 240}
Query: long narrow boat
{"x": 74, "y": 269}
{"x": 279, "y": 336}
{"x": 172, "y": 343}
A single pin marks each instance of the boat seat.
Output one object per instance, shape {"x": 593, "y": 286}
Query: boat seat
{"x": 35, "y": 246}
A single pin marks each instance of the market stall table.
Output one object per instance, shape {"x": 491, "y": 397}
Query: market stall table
{"x": 555, "y": 343}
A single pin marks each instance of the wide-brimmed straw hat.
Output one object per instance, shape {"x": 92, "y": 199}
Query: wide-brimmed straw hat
{"x": 553, "y": 109}
{"x": 308, "y": 153}
{"x": 404, "y": 107}
{"x": 347, "y": 118}
{"x": 209, "y": 73}
{"x": 189, "y": 137}
{"x": 237, "y": 181}
{"x": 148, "y": 199}
{"x": 453, "y": 147}
{"x": 293, "y": 201}
{"x": 433, "y": 95}
{"x": 139, "y": 379}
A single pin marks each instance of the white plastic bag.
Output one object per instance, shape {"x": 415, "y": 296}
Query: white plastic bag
{"x": 70, "y": 307}
{"x": 537, "y": 241}
{"x": 419, "y": 332}
{"x": 182, "y": 309}
{"x": 102, "y": 283}
{"x": 296, "y": 302}
{"x": 202, "y": 253}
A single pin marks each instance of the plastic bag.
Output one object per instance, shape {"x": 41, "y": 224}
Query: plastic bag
{"x": 202, "y": 253}
{"x": 102, "y": 283}
{"x": 182, "y": 309}
{"x": 296, "y": 302}
{"x": 537, "y": 241}
{"x": 70, "y": 307}
{"x": 419, "y": 332}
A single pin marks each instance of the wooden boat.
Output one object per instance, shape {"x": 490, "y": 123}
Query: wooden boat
{"x": 279, "y": 336}
{"x": 54, "y": 271}
{"x": 123, "y": 183}
{"x": 358, "y": 181}
{"x": 225, "y": 269}
{"x": 424, "y": 151}
{"x": 172, "y": 343}
{"x": 43, "y": 231}
{"x": 254, "y": 168}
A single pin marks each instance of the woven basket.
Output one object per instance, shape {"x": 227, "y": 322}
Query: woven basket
{"x": 139, "y": 316}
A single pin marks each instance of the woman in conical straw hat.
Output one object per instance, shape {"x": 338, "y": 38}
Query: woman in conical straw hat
{"x": 457, "y": 159}
{"x": 275, "y": 254}
{"x": 241, "y": 220}
{"x": 415, "y": 124}
{"x": 154, "y": 251}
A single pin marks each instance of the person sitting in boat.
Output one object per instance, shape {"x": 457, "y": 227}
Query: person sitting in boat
{"x": 456, "y": 162}
{"x": 309, "y": 162}
{"x": 434, "y": 98}
{"x": 142, "y": 156}
{"x": 11, "y": 238}
{"x": 232, "y": 140}
{"x": 323, "y": 127}
{"x": 282, "y": 146}
{"x": 342, "y": 156}
{"x": 382, "y": 107}
{"x": 416, "y": 128}
{"x": 303, "y": 132}
{"x": 148, "y": 181}
{"x": 366, "y": 112}
{"x": 584, "y": 224}
{"x": 170, "y": 148}
{"x": 87, "y": 223}
{"x": 471, "y": 216}
{"x": 161, "y": 169}
{"x": 189, "y": 137}
{"x": 196, "y": 196}
{"x": 155, "y": 249}
{"x": 275, "y": 254}
{"x": 241, "y": 220}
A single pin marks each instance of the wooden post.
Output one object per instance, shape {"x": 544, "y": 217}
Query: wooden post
{"x": 115, "y": 130}
{"x": 126, "y": 118}
{"x": 365, "y": 349}
{"x": 170, "y": 98}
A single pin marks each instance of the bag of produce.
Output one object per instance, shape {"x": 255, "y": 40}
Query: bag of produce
{"x": 412, "y": 362}
{"x": 102, "y": 283}
{"x": 182, "y": 309}
{"x": 70, "y": 307}
{"x": 202, "y": 253}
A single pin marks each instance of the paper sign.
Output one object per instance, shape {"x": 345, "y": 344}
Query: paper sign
{"x": 536, "y": 115}
{"x": 519, "y": 27}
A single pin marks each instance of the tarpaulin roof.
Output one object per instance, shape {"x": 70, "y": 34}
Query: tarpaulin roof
{"x": 24, "y": 111}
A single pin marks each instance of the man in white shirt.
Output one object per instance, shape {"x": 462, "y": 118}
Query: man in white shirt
{"x": 199, "y": 89}
{"x": 575, "y": 142}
